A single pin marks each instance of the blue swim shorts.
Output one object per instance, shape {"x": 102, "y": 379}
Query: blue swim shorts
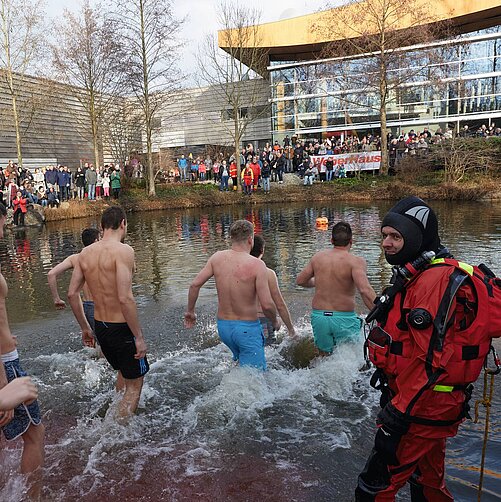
{"x": 24, "y": 415}
{"x": 333, "y": 327}
{"x": 245, "y": 340}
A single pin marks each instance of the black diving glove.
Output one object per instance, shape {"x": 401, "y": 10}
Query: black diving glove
{"x": 392, "y": 426}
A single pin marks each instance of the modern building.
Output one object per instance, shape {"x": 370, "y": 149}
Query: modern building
{"x": 200, "y": 117}
{"x": 53, "y": 124}
{"x": 459, "y": 81}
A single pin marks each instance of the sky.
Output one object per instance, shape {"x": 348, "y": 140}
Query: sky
{"x": 201, "y": 19}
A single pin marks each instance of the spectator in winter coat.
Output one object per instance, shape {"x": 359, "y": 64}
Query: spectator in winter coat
{"x": 20, "y": 209}
{"x": 80, "y": 183}
{"x": 115, "y": 183}
{"x": 91, "y": 179}
{"x": 51, "y": 177}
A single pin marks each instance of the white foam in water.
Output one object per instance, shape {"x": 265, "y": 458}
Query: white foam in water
{"x": 15, "y": 487}
{"x": 244, "y": 393}
{"x": 191, "y": 401}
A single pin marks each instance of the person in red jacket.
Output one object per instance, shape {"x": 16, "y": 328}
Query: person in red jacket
{"x": 434, "y": 329}
{"x": 234, "y": 174}
{"x": 256, "y": 169}
{"x": 19, "y": 204}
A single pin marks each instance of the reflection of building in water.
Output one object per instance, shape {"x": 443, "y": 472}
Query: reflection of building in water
{"x": 45, "y": 254}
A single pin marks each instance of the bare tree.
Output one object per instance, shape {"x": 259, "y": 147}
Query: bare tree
{"x": 148, "y": 32}
{"x": 20, "y": 44}
{"x": 378, "y": 29}
{"x": 121, "y": 129}
{"x": 89, "y": 58}
{"x": 234, "y": 74}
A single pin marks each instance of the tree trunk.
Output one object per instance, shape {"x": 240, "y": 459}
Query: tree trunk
{"x": 383, "y": 93}
{"x": 95, "y": 129}
{"x": 237, "y": 156}
{"x": 149, "y": 159}
{"x": 147, "y": 109}
{"x": 237, "y": 152}
{"x": 384, "y": 143}
{"x": 18, "y": 129}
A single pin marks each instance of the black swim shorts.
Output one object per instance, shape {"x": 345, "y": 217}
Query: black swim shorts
{"x": 118, "y": 346}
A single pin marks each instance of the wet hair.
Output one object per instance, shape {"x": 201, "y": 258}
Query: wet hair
{"x": 258, "y": 248}
{"x": 89, "y": 236}
{"x": 241, "y": 230}
{"x": 3, "y": 209}
{"x": 112, "y": 217}
{"x": 341, "y": 234}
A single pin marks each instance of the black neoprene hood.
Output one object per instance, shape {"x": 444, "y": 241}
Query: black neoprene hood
{"x": 418, "y": 225}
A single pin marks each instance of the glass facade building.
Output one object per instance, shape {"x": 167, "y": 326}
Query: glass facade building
{"x": 446, "y": 84}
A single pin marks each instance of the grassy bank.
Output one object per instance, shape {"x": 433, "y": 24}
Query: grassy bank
{"x": 178, "y": 196}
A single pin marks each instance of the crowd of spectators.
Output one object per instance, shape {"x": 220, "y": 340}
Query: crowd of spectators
{"x": 51, "y": 185}
{"x": 262, "y": 166}
{"x": 269, "y": 163}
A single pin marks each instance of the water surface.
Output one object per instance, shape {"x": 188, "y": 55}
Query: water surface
{"x": 205, "y": 429}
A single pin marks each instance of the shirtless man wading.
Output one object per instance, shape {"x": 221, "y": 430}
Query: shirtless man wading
{"x": 276, "y": 295}
{"x": 25, "y": 420}
{"x": 107, "y": 267}
{"x": 89, "y": 236}
{"x": 336, "y": 274}
{"x": 241, "y": 280}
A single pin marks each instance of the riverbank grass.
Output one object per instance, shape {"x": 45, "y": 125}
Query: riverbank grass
{"x": 425, "y": 184}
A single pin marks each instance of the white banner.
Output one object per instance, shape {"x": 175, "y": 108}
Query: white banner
{"x": 363, "y": 161}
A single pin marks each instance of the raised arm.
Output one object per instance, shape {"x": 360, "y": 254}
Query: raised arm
{"x": 279, "y": 301}
{"x": 76, "y": 285}
{"x": 359, "y": 276}
{"x": 124, "y": 269}
{"x": 202, "y": 277}
{"x": 18, "y": 391}
{"x": 306, "y": 277}
{"x": 264, "y": 295}
{"x": 52, "y": 276}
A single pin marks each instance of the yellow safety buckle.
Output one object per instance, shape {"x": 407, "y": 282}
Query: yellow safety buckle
{"x": 443, "y": 388}
{"x": 436, "y": 261}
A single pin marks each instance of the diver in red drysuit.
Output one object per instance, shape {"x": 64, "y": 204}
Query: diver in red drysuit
{"x": 428, "y": 346}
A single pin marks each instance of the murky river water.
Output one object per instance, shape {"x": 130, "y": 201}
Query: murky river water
{"x": 205, "y": 429}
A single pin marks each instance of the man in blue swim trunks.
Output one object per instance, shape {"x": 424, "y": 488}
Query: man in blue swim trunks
{"x": 25, "y": 420}
{"x": 241, "y": 281}
{"x": 336, "y": 274}
{"x": 269, "y": 334}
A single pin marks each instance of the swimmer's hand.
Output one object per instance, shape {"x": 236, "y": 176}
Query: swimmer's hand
{"x": 59, "y": 304}
{"x": 190, "y": 318}
{"x": 20, "y": 390}
{"x": 7, "y": 416}
{"x": 277, "y": 324}
{"x": 140, "y": 348}
{"x": 87, "y": 338}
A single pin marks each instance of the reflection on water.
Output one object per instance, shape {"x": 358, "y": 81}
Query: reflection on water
{"x": 205, "y": 429}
